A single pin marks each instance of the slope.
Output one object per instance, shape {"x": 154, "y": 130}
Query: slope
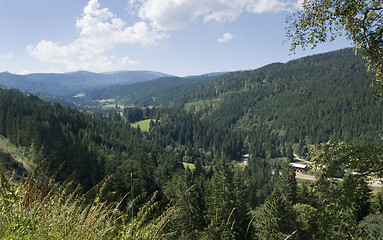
{"x": 311, "y": 99}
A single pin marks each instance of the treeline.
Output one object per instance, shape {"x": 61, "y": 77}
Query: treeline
{"x": 175, "y": 128}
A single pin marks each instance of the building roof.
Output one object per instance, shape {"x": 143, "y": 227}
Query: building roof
{"x": 297, "y": 165}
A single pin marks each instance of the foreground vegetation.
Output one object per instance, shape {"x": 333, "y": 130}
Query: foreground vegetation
{"x": 42, "y": 209}
{"x": 39, "y": 208}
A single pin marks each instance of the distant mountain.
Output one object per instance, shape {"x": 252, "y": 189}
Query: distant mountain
{"x": 313, "y": 99}
{"x": 9, "y": 80}
{"x": 212, "y": 74}
{"x": 67, "y": 84}
{"x": 158, "y": 92}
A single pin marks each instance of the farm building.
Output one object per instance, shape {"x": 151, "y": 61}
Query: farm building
{"x": 298, "y": 167}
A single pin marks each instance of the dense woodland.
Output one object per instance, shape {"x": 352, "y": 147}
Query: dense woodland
{"x": 321, "y": 97}
{"x": 273, "y": 111}
{"x": 165, "y": 92}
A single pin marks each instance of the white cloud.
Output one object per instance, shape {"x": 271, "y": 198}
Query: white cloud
{"x": 125, "y": 61}
{"x": 7, "y": 56}
{"x": 298, "y": 5}
{"x": 99, "y": 31}
{"x": 225, "y": 38}
{"x": 262, "y": 6}
{"x": 175, "y": 14}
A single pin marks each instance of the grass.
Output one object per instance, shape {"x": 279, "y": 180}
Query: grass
{"x": 191, "y": 166}
{"x": 12, "y": 167}
{"x": 79, "y": 95}
{"x": 144, "y": 124}
{"x": 106, "y": 100}
{"x": 45, "y": 210}
{"x": 39, "y": 210}
{"x": 19, "y": 152}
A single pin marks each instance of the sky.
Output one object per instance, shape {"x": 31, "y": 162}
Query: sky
{"x": 178, "y": 37}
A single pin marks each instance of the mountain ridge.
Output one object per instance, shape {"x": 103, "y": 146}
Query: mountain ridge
{"x": 66, "y": 84}
{"x": 319, "y": 98}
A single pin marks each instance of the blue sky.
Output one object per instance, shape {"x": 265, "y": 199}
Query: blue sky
{"x": 180, "y": 37}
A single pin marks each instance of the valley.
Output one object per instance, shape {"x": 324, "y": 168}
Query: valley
{"x": 159, "y": 148}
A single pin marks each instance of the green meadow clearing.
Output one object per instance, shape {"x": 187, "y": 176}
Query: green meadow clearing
{"x": 144, "y": 124}
{"x": 191, "y": 166}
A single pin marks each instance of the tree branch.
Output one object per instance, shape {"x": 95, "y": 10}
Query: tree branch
{"x": 369, "y": 172}
{"x": 288, "y": 237}
{"x": 376, "y": 8}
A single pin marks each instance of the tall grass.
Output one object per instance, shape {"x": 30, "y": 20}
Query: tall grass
{"x": 38, "y": 208}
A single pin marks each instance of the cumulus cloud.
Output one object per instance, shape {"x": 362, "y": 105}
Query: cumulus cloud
{"x": 225, "y": 38}
{"x": 99, "y": 31}
{"x": 172, "y": 14}
{"x": 263, "y": 6}
{"x": 299, "y": 5}
{"x": 175, "y": 14}
{"x": 127, "y": 61}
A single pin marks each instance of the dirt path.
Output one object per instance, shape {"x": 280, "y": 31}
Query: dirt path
{"x": 16, "y": 158}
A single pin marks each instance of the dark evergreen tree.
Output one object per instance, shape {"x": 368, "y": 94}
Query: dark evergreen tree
{"x": 226, "y": 214}
{"x": 275, "y": 218}
{"x": 287, "y": 184}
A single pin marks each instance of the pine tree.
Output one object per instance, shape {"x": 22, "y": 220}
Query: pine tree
{"x": 187, "y": 194}
{"x": 287, "y": 184}
{"x": 226, "y": 204}
{"x": 275, "y": 219}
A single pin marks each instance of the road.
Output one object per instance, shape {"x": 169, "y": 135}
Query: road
{"x": 375, "y": 182}
{"x": 305, "y": 176}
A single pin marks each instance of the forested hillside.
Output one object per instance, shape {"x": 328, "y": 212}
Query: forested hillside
{"x": 93, "y": 147}
{"x": 315, "y": 99}
{"x": 323, "y": 97}
{"x": 309, "y": 100}
{"x": 165, "y": 92}
{"x": 183, "y": 177}
{"x": 87, "y": 149}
